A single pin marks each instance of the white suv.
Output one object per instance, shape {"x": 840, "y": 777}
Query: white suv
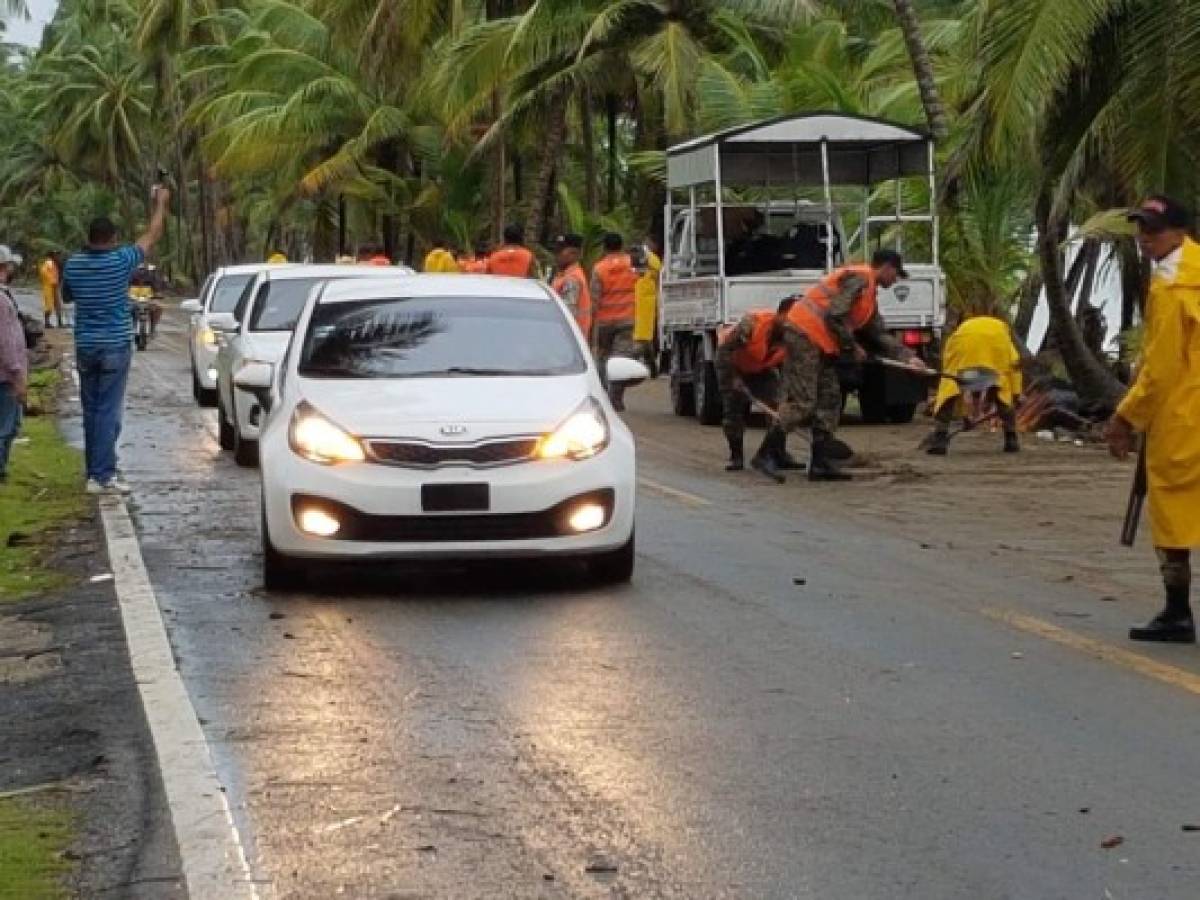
{"x": 265, "y": 314}
{"x": 442, "y": 416}
{"x": 215, "y": 307}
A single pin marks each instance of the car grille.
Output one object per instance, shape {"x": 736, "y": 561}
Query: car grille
{"x": 419, "y": 455}
{"x": 442, "y": 527}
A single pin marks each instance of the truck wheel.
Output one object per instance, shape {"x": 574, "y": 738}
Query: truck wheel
{"x": 683, "y": 398}
{"x": 704, "y": 385}
{"x": 872, "y": 401}
{"x": 901, "y": 413}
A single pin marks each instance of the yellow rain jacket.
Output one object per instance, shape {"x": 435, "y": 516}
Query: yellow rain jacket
{"x": 645, "y": 296}
{"x": 48, "y": 272}
{"x": 440, "y": 260}
{"x": 984, "y": 342}
{"x": 1164, "y": 403}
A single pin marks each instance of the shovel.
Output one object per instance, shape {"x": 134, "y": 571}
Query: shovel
{"x": 838, "y": 450}
{"x": 973, "y": 380}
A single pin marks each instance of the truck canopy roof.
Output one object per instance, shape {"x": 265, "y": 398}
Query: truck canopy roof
{"x": 787, "y": 151}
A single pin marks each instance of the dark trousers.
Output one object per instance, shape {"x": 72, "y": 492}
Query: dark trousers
{"x": 103, "y": 373}
{"x": 1008, "y": 417}
{"x": 10, "y": 423}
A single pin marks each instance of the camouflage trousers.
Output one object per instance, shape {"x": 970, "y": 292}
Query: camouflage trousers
{"x": 810, "y": 390}
{"x": 614, "y": 340}
{"x": 735, "y": 405}
{"x": 1176, "y": 568}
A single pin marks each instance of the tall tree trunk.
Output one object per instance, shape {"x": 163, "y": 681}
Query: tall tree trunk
{"x": 205, "y": 208}
{"x": 494, "y": 10}
{"x": 1027, "y": 300}
{"x": 587, "y": 137}
{"x": 1095, "y": 383}
{"x": 610, "y": 111}
{"x": 553, "y": 137}
{"x": 918, "y": 52}
{"x": 341, "y": 224}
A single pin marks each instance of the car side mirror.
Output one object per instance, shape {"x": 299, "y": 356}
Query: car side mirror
{"x": 222, "y": 322}
{"x": 257, "y": 378}
{"x": 622, "y": 370}
{"x": 190, "y": 306}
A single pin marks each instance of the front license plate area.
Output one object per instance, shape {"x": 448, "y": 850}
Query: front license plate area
{"x": 455, "y": 498}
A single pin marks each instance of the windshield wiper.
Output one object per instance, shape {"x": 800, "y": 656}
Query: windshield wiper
{"x": 469, "y": 370}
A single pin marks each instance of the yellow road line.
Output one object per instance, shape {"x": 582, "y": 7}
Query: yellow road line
{"x": 673, "y": 493}
{"x": 1136, "y": 662}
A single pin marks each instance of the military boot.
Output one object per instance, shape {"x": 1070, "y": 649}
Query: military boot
{"x": 737, "y": 453}
{"x": 786, "y": 461}
{"x": 1012, "y": 444}
{"x": 764, "y": 460}
{"x": 824, "y": 466}
{"x": 1174, "y": 625}
{"x": 939, "y": 443}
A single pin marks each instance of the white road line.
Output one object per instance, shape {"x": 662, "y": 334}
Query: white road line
{"x": 675, "y": 494}
{"x": 210, "y": 849}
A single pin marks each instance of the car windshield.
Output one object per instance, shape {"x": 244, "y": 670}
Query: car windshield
{"x": 429, "y": 337}
{"x": 226, "y": 293}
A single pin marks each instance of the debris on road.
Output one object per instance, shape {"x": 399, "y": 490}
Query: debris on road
{"x": 276, "y": 615}
{"x": 601, "y": 866}
{"x": 98, "y": 579}
{"x": 800, "y": 582}
{"x": 1110, "y": 842}
{"x": 1190, "y": 828}
{"x": 1017, "y": 654}
{"x": 338, "y": 826}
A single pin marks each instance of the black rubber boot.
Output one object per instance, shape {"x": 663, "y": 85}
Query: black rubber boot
{"x": 1174, "y": 625}
{"x": 1012, "y": 443}
{"x": 764, "y": 460}
{"x": 939, "y": 443}
{"x": 787, "y": 462}
{"x": 737, "y": 453}
{"x": 824, "y": 467}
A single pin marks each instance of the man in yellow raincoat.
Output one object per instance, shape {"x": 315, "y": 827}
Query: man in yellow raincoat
{"x": 980, "y": 342}
{"x": 1164, "y": 405}
{"x": 645, "y": 310}
{"x": 440, "y": 259}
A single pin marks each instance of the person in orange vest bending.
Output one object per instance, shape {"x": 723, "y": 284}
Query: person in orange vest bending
{"x": 474, "y": 263}
{"x": 372, "y": 255}
{"x": 835, "y": 319}
{"x": 747, "y": 363}
{"x": 570, "y": 282}
{"x": 513, "y": 257}
{"x": 614, "y": 287}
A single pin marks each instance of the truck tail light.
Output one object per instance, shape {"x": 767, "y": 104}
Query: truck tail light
{"x": 914, "y": 338}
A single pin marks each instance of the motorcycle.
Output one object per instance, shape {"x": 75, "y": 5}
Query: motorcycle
{"x": 144, "y": 307}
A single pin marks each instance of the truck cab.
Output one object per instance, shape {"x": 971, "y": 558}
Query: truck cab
{"x": 764, "y": 211}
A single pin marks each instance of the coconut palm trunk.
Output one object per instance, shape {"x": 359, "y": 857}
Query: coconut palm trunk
{"x": 1095, "y": 383}
{"x": 918, "y": 52}
{"x": 553, "y": 138}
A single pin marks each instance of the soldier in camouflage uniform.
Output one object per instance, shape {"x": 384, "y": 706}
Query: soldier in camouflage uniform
{"x": 748, "y": 360}
{"x": 834, "y": 320}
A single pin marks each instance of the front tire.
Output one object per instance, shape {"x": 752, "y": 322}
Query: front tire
{"x": 245, "y": 452}
{"x": 683, "y": 397}
{"x": 615, "y": 566}
{"x": 203, "y": 396}
{"x": 704, "y": 384}
{"x": 280, "y": 572}
{"x": 224, "y": 428}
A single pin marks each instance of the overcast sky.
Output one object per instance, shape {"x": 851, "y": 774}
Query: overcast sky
{"x": 30, "y": 32}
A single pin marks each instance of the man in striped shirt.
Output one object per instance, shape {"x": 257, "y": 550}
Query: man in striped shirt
{"x": 97, "y": 280}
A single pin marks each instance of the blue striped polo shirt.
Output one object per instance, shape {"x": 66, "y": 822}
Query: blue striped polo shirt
{"x": 98, "y": 282}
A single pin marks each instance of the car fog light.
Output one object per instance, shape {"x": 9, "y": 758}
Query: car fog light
{"x": 587, "y": 517}
{"x": 318, "y": 522}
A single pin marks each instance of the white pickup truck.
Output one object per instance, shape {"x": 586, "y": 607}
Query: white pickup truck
{"x": 758, "y": 213}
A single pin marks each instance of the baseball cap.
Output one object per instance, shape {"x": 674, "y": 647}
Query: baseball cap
{"x": 889, "y": 257}
{"x": 7, "y": 256}
{"x": 1159, "y": 212}
{"x": 568, "y": 240}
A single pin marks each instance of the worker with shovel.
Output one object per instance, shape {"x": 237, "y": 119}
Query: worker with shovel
{"x": 984, "y": 369}
{"x": 837, "y": 318}
{"x": 748, "y": 360}
{"x": 1164, "y": 406}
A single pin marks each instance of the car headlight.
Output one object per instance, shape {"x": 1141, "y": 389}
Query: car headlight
{"x": 208, "y": 337}
{"x": 584, "y": 434}
{"x": 316, "y": 438}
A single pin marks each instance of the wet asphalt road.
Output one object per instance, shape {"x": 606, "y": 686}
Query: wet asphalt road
{"x": 716, "y": 729}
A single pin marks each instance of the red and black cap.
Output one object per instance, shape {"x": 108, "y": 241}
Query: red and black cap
{"x": 1160, "y": 212}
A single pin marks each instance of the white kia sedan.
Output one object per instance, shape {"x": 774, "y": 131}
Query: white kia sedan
{"x": 261, "y": 326}
{"x": 442, "y": 416}
{"x": 215, "y": 306}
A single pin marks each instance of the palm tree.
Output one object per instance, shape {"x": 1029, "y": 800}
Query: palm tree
{"x": 910, "y": 25}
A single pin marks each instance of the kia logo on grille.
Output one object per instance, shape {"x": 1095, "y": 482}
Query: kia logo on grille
{"x": 452, "y": 430}
{"x": 901, "y": 292}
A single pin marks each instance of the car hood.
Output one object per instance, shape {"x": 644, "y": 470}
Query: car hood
{"x": 424, "y": 408}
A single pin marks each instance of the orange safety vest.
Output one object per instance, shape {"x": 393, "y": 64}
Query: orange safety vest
{"x": 474, "y": 265}
{"x": 757, "y": 355}
{"x": 583, "y": 313}
{"x": 515, "y": 261}
{"x": 380, "y": 260}
{"x": 617, "y": 302}
{"x": 810, "y": 313}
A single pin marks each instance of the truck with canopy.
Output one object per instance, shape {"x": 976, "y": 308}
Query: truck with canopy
{"x": 761, "y": 212}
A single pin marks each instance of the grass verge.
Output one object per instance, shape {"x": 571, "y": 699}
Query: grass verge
{"x": 43, "y": 493}
{"x": 32, "y": 841}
